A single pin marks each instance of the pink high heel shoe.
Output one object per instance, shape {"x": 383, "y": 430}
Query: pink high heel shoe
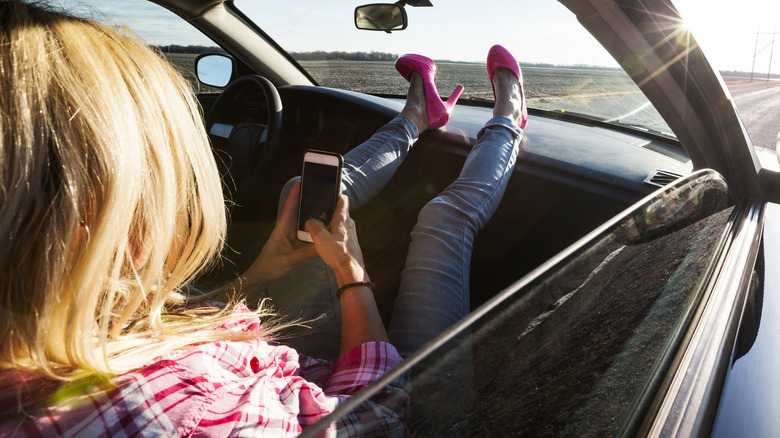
{"x": 499, "y": 57}
{"x": 438, "y": 111}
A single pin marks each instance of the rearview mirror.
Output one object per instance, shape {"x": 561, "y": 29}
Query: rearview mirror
{"x": 214, "y": 69}
{"x": 381, "y": 16}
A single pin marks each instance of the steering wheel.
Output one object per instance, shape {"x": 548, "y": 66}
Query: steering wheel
{"x": 244, "y": 129}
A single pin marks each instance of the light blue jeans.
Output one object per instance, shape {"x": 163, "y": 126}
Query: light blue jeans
{"x": 434, "y": 290}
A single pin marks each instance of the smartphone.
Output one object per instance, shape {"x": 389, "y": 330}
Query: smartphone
{"x": 320, "y": 188}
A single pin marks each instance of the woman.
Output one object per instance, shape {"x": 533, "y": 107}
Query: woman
{"x": 110, "y": 204}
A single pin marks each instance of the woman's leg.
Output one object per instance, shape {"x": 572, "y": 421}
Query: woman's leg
{"x": 434, "y": 291}
{"x": 369, "y": 167}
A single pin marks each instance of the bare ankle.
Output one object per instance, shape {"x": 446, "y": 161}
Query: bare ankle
{"x": 509, "y": 98}
{"x": 415, "y": 107}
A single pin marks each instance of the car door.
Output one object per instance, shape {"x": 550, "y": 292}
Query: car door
{"x": 606, "y": 338}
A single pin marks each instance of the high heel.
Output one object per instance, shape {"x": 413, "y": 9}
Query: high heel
{"x": 499, "y": 57}
{"x": 438, "y": 111}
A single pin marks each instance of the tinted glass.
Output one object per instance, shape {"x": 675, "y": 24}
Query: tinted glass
{"x": 580, "y": 349}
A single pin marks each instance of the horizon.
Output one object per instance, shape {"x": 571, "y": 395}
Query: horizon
{"x": 308, "y": 25}
{"x": 198, "y": 49}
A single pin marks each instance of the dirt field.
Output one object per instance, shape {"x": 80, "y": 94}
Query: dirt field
{"x": 606, "y": 93}
{"x": 544, "y": 86}
{"x": 381, "y": 77}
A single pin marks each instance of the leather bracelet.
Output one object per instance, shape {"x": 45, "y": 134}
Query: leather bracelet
{"x": 367, "y": 284}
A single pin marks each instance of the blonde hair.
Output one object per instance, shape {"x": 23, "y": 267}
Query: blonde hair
{"x": 110, "y": 200}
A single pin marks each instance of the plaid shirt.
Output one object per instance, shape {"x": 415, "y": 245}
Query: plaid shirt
{"x": 247, "y": 388}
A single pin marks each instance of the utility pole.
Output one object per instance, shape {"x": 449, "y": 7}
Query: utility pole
{"x": 757, "y": 51}
{"x": 771, "y": 52}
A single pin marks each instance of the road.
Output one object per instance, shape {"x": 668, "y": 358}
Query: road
{"x": 758, "y": 104}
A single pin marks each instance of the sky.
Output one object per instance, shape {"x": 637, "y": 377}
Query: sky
{"x": 535, "y": 30}
{"x": 726, "y": 31}
{"x": 458, "y": 30}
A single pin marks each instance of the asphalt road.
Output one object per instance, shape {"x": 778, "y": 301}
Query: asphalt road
{"x": 758, "y": 104}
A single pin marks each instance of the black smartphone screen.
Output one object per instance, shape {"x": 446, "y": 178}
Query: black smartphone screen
{"x": 318, "y": 193}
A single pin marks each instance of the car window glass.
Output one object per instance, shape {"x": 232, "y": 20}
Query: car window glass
{"x": 565, "y": 69}
{"x": 579, "y": 349}
{"x": 174, "y": 38}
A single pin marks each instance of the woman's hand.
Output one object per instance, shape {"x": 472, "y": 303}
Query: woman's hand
{"x": 338, "y": 245}
{"x": 280, "y": 253}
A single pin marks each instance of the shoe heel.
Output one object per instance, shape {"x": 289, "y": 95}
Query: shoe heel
{"x": 439, "y": 111}
{"x": 453, "y": 99}
{"x": 437, "y": 119}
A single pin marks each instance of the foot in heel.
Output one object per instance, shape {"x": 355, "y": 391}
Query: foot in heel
{"x": 438, "y": 111}
{"x": 499, "y": 57}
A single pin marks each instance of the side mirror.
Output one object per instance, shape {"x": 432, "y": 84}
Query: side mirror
{"x": 214, "y": 69}
{"x": 381, "y": 16}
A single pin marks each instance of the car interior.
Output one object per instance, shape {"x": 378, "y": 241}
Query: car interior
{"x": 573, "y": 172}
{"x": 572, "y": 175}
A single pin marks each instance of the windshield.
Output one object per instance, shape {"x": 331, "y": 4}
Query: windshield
{"x": 565, "y": 69}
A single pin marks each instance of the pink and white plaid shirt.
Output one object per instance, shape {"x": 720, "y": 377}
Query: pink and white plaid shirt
{"x": 247, "y": 388}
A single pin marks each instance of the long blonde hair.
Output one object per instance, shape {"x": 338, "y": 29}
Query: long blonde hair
{"x": 110, "y": 200}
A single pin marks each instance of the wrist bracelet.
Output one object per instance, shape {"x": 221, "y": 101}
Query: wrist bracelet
{"x": 367, "y": 284}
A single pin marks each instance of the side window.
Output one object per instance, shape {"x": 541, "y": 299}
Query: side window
{"x": 175, "y": 39}
{"x": 579, "y": 349}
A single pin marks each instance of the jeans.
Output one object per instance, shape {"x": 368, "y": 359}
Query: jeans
{"x": 434, "y": 290}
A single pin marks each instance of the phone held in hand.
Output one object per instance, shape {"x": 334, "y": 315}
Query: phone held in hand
{"x": 320, "y": 188}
